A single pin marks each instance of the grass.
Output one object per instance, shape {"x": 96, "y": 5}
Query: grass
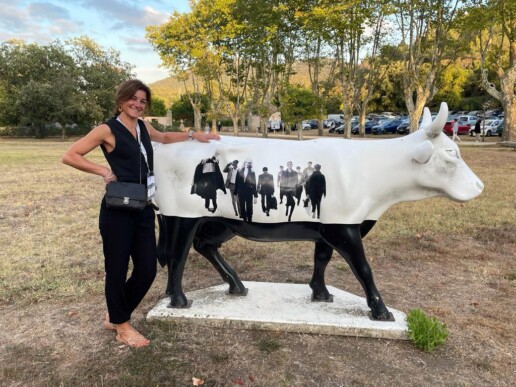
{"x": 455, "y": 261}
{"x": 427, "y": 333}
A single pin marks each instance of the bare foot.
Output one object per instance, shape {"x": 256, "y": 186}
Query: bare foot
{"x": 107, "y": 325}
{"x": 126, "y": 334}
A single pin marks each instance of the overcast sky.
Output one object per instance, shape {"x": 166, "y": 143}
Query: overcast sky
{"x": 113, "y": 24}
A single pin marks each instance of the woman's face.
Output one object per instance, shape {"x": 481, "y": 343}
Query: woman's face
{"x": 135, "y": 106}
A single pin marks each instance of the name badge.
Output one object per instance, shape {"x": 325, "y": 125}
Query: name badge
{"x": 151, "y": 186}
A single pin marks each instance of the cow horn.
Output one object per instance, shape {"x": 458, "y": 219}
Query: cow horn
{"x": 427, "y": 119}
{"x": 437, "y": 125}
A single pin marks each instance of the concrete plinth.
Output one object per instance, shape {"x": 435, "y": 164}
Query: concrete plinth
{"x": 283, "y": 307}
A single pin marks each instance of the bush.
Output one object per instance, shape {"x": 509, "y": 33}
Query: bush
{"x": 427, "y": 333}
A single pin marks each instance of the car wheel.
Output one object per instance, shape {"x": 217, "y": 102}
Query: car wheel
{"x": 488, "y": 133}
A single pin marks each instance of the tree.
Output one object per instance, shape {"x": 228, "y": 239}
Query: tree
{"x": 99, "y": 72}
{"x": 298, "y": 103}
{"x": 356, "y": 52}
{"x": 69, "y": 84}
{"x": 491, "y": 24}
{"x": 158, "y": 108}
{"x": 39, "y": 85}
{"x": 428, "y": 46}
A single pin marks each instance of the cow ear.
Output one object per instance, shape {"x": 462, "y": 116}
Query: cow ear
{"x": 423, "y": 152}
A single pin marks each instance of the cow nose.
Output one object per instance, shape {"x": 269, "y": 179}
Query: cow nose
{"x": 480, "y": 185}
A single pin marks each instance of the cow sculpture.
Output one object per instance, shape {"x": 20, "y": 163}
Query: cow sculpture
{"x": 362, "y": 179}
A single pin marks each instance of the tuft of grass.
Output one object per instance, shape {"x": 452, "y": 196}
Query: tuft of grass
{"x": 427, "y": 333}
{"x": 342, "y": 266}
{"x": 219, "y": 357}
{"x": 268, "y": 344}
{"x": 510, "y": 276}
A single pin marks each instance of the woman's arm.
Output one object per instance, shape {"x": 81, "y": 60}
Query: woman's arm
{"x": 74, "y": 156}
{"x": 170, "y": 137}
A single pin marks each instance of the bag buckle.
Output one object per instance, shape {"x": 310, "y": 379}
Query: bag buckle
{"x": 126, "y": 200}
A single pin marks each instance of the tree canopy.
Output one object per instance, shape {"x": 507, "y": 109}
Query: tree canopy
{"x": 70, "y": 83}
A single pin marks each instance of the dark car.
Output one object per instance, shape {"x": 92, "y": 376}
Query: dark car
{"x": 314, "y": 124}
{"x": 368, "y": 126}
{"x": 403, "y": 128}
{"x": 335, "y": 125}
{"x": 500, "y": 127}
{"x": 390, "y": 126}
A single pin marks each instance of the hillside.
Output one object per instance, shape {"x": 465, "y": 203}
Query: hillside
{"x": 169, "y": 89}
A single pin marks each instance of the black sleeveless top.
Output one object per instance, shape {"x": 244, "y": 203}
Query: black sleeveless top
{"x": 126, "y": 159}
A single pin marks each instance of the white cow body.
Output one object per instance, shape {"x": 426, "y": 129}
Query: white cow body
{"x": 363, "y": 177}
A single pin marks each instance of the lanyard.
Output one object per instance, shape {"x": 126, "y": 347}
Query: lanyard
{"x": 142, "y": 148}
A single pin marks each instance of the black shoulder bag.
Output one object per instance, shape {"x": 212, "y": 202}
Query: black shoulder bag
{"x": 127, "y": 196}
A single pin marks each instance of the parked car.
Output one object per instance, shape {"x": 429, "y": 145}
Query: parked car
{"x": 339, "y": 129}
{"x": 389, "y": 126}
{"x": 275, "y": 125}
{"x": 500, "y": 127}
{"x": 448, "y": 128}
{"x": 329, "y": 123}
{"x": 335, "y": 124}
{"x": 487, "y": 128}
{"x": 389, "y": 115}
{"x": 403, "y": 128}
{"x": 368, "y": 127}
{"x": 467, "y": 120}
{"x": 314, "y": 124}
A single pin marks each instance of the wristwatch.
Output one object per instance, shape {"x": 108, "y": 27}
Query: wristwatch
{"x": 190, "y": 134}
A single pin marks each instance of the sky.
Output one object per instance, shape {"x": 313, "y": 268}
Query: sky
{"x": 112, "y": 24}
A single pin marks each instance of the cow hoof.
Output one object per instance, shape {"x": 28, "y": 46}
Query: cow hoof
{"x": 379, "y": 311}
{"x": 322, "y": 298}
{"x": 238, "y": 292}
{"x": 179, "y": 302}
{"x": 382, "y": 317}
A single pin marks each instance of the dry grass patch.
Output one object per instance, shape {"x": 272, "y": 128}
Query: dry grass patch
{"x": 454, "y": 261}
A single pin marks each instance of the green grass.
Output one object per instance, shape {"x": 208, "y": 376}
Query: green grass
{"x": 427, "y": 333}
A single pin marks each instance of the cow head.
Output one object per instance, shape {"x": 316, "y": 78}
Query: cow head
{"x": 440, "y": 166}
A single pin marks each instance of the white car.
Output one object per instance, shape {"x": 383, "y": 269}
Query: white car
{"x": 487, "y": 128}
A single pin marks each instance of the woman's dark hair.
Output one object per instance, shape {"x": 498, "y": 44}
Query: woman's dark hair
{"x": 127, "y": 89}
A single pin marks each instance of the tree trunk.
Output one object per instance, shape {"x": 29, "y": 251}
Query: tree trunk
{"x": 197, "y": 117}
{"x": 361, "y": 122}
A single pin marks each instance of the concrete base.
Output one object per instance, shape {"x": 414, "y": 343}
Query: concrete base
{"x": 282, "y": 307}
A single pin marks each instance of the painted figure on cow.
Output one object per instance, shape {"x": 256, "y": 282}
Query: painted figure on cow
{"x": 424, "y": 164}
{"x": 207, "y": 180}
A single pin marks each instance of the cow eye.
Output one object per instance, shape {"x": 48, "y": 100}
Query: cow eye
{"x": 454, "y": 153}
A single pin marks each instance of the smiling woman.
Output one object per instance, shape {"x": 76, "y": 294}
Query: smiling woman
{"x": 127, "y": 234}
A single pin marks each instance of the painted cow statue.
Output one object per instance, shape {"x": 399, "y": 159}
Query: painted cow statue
{"x": 329, "y": 191}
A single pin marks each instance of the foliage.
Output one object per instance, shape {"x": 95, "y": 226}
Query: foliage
{"x": 158, "y": 107}
{"x": 427, "y": 333}
{"x": 69, "y": 84}
{"x": 298, "y": 103}
{"x": 182, "y": 108}
{"x": 490, "y": 26}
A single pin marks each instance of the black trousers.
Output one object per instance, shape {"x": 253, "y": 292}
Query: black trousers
{"x": 245, "y": 200}
{"x": 127, "y": 235}
{"x": 266, "y": 202}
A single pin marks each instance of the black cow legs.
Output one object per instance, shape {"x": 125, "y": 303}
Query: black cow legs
{"x": 348, "y": 242}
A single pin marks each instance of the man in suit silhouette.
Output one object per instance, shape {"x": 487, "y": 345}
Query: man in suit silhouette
{"x": 266, "y": 189}
{"x": 245, "y": 188}
{"x": 316, "y": 189}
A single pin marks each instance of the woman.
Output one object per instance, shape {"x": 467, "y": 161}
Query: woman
{"x": 126, "y": 143}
